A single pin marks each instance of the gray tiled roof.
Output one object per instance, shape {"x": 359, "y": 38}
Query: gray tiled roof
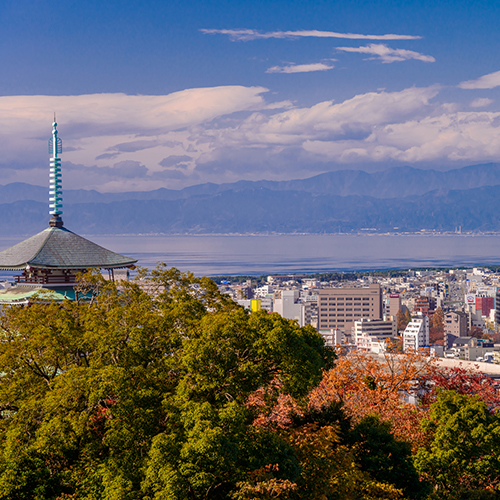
{"x": 60, "y": 248}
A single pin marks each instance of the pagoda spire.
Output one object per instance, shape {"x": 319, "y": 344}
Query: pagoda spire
{"x": 55, "y": 192}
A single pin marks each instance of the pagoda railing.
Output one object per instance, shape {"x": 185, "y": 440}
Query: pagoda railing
{"x": 46, "y": 280}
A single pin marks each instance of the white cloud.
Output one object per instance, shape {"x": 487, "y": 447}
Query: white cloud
{"x": 463, "y": 136}
{"x": 300, "y": 68}
{"x": 489, "y": 81}
{"x": 481, "y": 102}
{"x": 353, "y": 116}
{"x": 400, "y": 127}
{"x": 231, "y": 133}
{"x": 388, "y": 55}
{"x": 249, "y": 34}
{"x": 102, "y": 129}
{"x": 280, "y": 105}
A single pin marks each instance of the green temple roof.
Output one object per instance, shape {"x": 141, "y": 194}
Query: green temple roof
{"x": 59, "y": 248}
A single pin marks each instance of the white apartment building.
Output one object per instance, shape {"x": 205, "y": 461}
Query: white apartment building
{"x": 333, "y": 337}
{"x": 416, "y": 334}
{"x": 289, "y": 306}
{"x": 371, "y": 334}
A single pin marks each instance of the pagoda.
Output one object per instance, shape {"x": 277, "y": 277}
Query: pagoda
{"x": 50, "y": 260}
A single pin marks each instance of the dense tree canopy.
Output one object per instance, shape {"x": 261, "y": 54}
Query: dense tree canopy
{"x": 145, "y": 392}
{"x": 164, "y": 389}
{"x": 463, "y": 455}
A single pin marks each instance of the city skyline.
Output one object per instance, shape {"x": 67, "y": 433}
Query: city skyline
{"x": 154, "y": 95}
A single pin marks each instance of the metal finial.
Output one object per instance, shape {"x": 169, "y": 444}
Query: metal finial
{"x": 55, "y": 198}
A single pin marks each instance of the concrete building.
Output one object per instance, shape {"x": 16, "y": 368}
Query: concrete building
{"x": 416, "y": 334}
{"x": 371, "y": 334}
{"x": 339, "y": 308}
{"x": 455, "y": 326}
{"x": 425, "y": 305}
{"x": 497, "y": 307}
{"x": 289, "y": 306}
{"x": 333, "y": 337}
{"x": 472, "y": 349}
{"x": 484, "y": 304}
{"x": 395, "y": 304}
{"x": 380, "y": 327}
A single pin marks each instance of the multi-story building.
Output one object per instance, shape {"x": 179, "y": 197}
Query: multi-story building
{"x": 497, "y": 307}
{"x": 455, "y": 326}
{"x": 311, "y": 313}
{"x": 416, "y": 334}
{"x": 395, "y": 304}
{"x": 472, "y": 349}
{"x": 381, "y": 327}
{"x": 425, "y": 305}
{"x": 371, "y": 334}
{"x": 339, "y": 308}
{"x": 485, "y": 304}
{"x": 289, "y": 306}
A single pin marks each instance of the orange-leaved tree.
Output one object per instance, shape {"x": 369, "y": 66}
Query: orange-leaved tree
{"x": 367, "y": 384}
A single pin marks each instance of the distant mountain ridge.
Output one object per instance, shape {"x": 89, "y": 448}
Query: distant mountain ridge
{"x": 400, "y": 200}
{"x": 397, "y": 182}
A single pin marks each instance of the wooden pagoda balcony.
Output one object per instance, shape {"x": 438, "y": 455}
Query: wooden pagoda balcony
{"x": 46, "y": 279}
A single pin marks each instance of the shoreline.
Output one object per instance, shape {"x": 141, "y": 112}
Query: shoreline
{"x": 263, "y": 234}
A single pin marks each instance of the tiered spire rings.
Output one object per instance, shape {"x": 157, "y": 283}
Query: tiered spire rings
{"x": 55, "y": 198}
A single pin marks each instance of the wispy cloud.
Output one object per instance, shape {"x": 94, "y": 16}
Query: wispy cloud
{"x": 388, "y": 55}
{"x": 300, "y": 68}
{"x": 480, "y": 102}
{"x": 249, "y": 34}
{"x": 489, "y": 81}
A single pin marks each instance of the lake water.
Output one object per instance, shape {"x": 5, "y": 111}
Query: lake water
{"x": 255, "y": 255}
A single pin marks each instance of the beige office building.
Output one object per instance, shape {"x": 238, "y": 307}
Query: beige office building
{"x": 339, "y": 308}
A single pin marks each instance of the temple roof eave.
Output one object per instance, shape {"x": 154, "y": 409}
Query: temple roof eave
{"x": 22, "y": 267}
{"x": 58, "y": 248}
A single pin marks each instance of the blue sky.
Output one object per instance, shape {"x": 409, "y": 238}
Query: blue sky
{"x": 169, "y": 93}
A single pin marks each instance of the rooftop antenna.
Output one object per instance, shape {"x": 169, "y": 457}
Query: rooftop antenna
{"x": 55, "y": 192}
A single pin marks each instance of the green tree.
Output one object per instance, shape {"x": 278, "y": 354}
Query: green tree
{"x": 385, "y": 458}
{"x": 142, "y": 392}
{"x": 463, "y": 454}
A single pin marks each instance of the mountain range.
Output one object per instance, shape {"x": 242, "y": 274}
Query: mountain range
{"x": 393, "y": 200}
